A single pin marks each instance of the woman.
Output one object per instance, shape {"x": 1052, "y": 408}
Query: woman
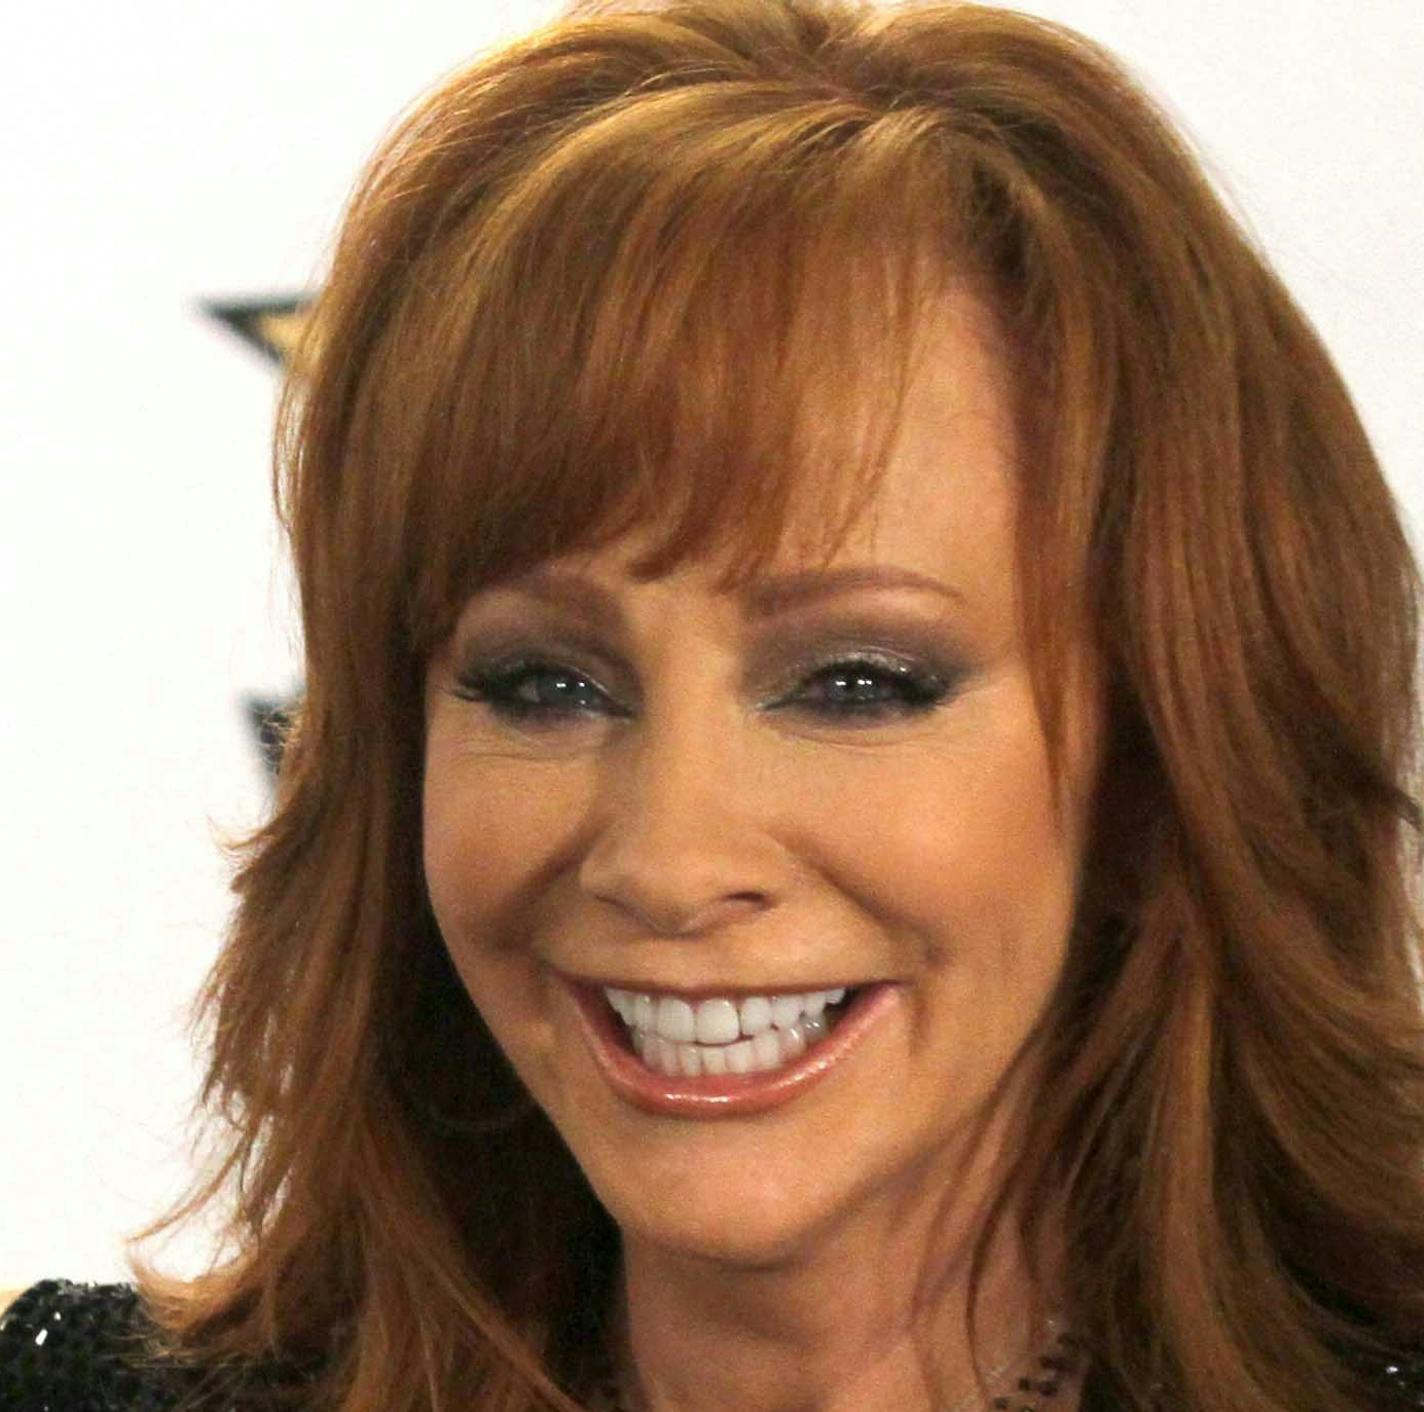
{"x": 848, "y": 843}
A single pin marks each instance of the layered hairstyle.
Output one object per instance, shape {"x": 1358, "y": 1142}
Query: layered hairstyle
{"x": 666, "y": 266}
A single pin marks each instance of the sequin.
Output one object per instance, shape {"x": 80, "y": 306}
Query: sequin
{"x": 67, "y": 1347}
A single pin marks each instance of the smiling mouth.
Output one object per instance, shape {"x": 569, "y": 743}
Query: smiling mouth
{"x": 725, "y": 1034}
{"x": 646, "y": 1063}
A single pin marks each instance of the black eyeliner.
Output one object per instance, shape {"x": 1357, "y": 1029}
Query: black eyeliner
{"x": 919, "y": 688}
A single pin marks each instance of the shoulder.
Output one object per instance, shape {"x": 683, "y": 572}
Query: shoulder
{"x": 80, "y": 1347}
{"x": 68, "y": 1347}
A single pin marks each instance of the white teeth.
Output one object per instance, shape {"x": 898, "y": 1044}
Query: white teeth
{"x": 675, "y": 1020}
{"x": 667, "y": 1057}
{"x": 717, "y": 1022}
{"x": 785, "y": 1011}
{"x": 722, "y": 1035}
{"x": 770, "y": 1049}
{"x": 766, "y": 1049}
{"x": 755, "y": 1014}
{"x": 739, "y": 1057}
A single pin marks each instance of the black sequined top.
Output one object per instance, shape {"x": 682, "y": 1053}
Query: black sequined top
{"x": 68, "y": 1347}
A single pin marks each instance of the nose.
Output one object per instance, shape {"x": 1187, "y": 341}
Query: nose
{"x": 678, "y": 848}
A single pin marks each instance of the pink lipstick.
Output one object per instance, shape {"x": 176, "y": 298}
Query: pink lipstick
{"x": 722, "y": 1095}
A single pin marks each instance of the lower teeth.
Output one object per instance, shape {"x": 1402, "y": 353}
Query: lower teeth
{"x": 771, "y": 1049}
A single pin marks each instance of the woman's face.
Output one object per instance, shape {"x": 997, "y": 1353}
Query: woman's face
{"x": 717, "y": 801}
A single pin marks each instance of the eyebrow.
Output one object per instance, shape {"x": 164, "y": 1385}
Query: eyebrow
{"x": 762, "y": 597}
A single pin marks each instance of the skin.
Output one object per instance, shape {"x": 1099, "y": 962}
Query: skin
{"x": 698, "y": 825}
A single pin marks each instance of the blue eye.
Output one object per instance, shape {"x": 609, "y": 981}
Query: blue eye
{"x": 529, "y": 690}
{"x": 863, "y": 688}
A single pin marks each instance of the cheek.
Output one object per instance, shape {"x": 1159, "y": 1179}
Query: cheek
{"x": 955, "y": 842}
{"x": 486, "y": 841}
{"x": 489, "y": 832}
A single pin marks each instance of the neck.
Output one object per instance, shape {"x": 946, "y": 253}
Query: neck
{"x": 861, "y": 1318}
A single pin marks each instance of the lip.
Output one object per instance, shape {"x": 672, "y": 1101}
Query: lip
{"x": 721, "y": 1095}
{"x": 705, "y": 992}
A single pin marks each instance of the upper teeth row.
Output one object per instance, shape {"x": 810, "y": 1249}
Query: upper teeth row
{"x": 717, "y": 1020}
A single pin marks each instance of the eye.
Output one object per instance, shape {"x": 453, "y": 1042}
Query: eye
{"x": 867, "y": 688}
{"x": 862, "y": 689}
{"x": 532, "y": 691}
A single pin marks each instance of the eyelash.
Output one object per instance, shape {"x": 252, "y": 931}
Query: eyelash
{"x": 919, "y": 691}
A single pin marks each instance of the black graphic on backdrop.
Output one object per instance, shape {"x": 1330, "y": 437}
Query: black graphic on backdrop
{"x": 273, "y": 326}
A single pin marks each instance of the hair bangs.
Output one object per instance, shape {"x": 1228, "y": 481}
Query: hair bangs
{"x": 703, "y": 337}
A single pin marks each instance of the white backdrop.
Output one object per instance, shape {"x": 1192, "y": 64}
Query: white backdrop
{"x": 158, "y": 152}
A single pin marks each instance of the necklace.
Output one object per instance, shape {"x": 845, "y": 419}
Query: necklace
{"x": 1031, "y": 1391}
{"x": 1053, "y": 1368}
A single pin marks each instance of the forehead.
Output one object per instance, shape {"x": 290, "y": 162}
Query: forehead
{"x": 881, "y": 438}
{"x": 943, "y": 501}
{"x": 951, "y": 473}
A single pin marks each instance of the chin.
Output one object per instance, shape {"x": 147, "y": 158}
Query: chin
{"x": 766, "y": 1218}
{"x": 725, "y": 1238}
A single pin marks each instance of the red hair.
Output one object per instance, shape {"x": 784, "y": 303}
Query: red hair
{"x": 631, "y": 270}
